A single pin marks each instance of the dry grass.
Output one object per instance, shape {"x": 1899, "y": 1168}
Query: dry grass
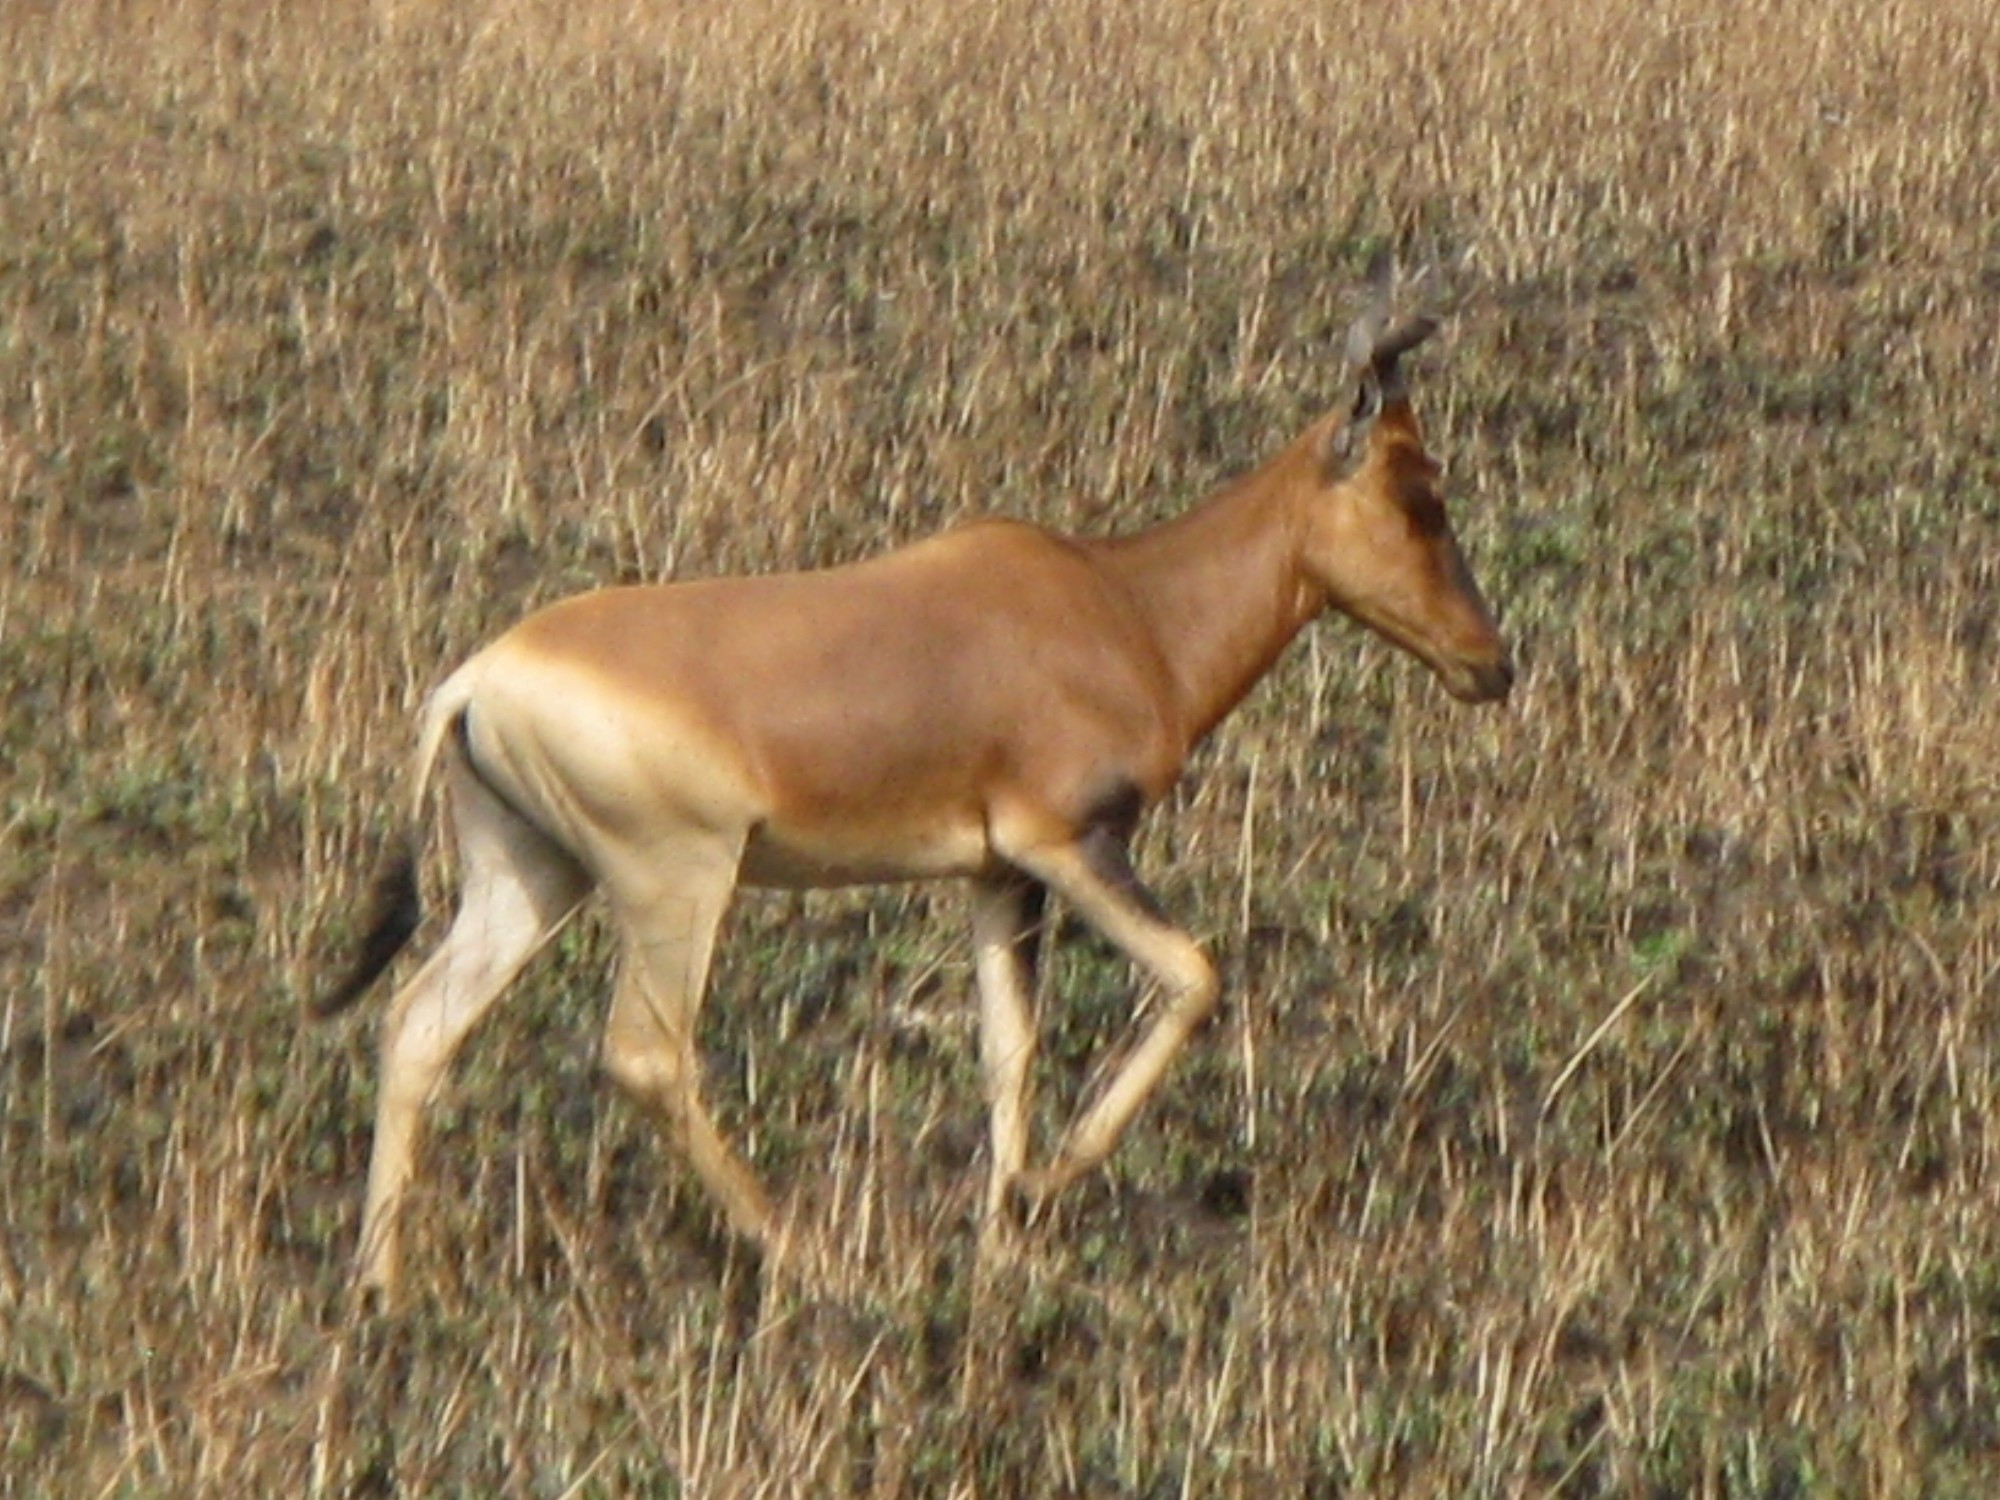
{"x": 1605, "y": 1107}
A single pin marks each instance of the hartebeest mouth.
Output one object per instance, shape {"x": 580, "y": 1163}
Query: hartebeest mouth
{"x": 1484, "y": 682}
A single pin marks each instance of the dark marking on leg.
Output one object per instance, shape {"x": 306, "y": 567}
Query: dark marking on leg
{"x": 1031, "y": 903}
{"x": 1105, "y": 852}
{"x": 1116, "y": 810}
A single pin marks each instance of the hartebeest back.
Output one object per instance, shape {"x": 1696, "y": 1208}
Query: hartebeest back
{"x": 999, "y": 703}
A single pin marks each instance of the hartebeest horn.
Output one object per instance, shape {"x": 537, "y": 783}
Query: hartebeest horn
{"x": 1400, "y": 340}
{"x": 1374, "y": 343}
{"x": 1375, "y": 348}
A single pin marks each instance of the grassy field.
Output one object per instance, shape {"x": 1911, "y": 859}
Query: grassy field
{"x": 1604, "y": 1104}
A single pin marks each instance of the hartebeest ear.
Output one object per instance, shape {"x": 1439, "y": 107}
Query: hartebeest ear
{"x": 1346, "y": 440}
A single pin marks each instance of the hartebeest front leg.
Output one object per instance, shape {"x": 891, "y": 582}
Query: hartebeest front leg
{"x": 1006, "y": 935}
{"x": 1095, "y": 875}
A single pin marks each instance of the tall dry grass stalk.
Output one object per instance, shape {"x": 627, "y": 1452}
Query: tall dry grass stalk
{"x": 1605, "y": 1106}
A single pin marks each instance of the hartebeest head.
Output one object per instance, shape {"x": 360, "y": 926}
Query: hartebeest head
{"x": 1379, "y": 543}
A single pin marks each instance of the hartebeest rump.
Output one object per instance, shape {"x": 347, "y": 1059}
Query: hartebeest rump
{"x": 999, "y": 703}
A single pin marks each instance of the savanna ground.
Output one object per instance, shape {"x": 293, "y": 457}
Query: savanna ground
{"x": 1605, "y": 1102}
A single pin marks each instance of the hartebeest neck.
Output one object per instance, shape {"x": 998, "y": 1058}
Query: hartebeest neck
{"x": 1223, "y": 586}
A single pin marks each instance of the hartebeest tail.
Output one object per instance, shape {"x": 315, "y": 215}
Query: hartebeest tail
{"x": 1000, "y": 704}
{"x": 394, "y": 910}
{"x": 396, "y": 902}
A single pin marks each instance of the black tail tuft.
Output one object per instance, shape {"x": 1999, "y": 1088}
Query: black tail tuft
{"x": 391, "y": 921}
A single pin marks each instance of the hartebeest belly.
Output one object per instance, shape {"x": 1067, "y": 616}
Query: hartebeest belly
{"x": 865, "y": 724}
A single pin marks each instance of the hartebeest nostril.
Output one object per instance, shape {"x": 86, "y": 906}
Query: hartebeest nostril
{"x": 1479, "y": 681}
{"x": 1491, "y": 681}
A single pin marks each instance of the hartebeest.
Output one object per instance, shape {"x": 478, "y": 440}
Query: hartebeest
{"x": 999, "y": 703}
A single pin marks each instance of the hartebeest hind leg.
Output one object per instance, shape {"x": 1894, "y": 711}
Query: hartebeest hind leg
{"x": 518, "y": 889}
{"x": 669, "y": 919}
{"x": 1095, "y": 875}
{"x": 1006, "y": 933}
